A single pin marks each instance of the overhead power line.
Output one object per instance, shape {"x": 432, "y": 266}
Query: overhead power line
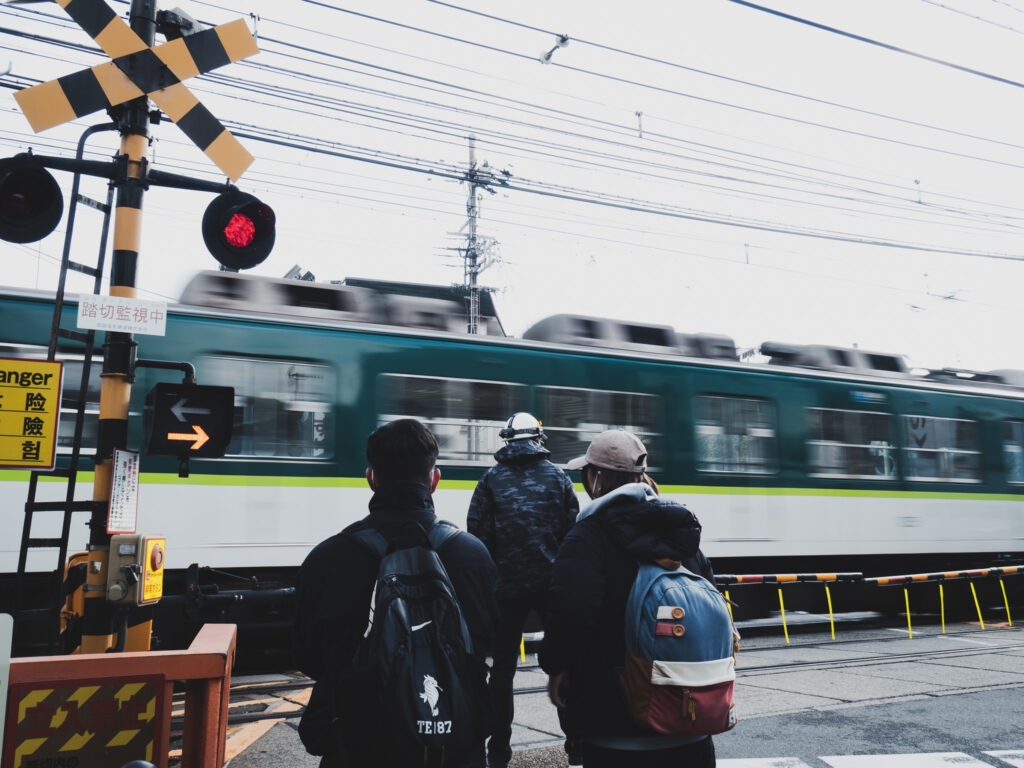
{"x": 640, "y": 84}
{"x": 876, "y": 43}
{"x": 609, "y": 201}
{"x": 738, "y": 81}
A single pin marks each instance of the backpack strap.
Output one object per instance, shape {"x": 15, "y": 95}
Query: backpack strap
{"x": 441, "y": 533}
{"x": 374, "y": 542}
{"x": 370, "y": 539}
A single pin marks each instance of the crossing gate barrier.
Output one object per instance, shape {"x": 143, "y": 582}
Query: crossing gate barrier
{"x": 726, "y": 580}
{"x": 103, "y": 710}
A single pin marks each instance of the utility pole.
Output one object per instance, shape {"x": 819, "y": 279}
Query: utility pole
{"x": 476, "y": 179}
{"x": 472, "y": 268}
{"x": 118, "y": 355}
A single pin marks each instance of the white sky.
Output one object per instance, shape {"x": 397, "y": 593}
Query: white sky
{"x": 956, "y": 189}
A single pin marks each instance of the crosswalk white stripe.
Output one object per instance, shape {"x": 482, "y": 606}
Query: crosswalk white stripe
{"x": 919, "y": 760}
{"x": 1014, "y": 757}
{"x": 763, "y": 762}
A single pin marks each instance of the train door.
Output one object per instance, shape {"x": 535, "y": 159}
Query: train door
{"x": 737, "y": 464}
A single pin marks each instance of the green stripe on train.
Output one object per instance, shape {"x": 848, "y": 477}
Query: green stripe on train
{"x": 285, "y": 481}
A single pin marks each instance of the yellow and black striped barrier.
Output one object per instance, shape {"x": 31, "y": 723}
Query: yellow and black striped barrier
{"x": 941, "y": 576}
{"x": 976, "y": 573}
{"x": 726, "y": 580}
{"x": 791, "y": 578}
{"x": 137, "y": 69}
{"x": 786, "y": 578}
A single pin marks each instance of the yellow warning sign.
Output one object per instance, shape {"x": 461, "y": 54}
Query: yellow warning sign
{"x": 29, "y": 411}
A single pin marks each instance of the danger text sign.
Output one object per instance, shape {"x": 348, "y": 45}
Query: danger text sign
{"x": 29, "y": 411}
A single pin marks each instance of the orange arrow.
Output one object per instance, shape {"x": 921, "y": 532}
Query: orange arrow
{"x": 200, "y": 437}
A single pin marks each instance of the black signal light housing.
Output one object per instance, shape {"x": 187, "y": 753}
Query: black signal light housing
{"x": 31, "y": 203}
{"x": 239, "y": 229}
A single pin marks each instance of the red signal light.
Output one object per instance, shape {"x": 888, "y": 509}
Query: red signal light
{"x": 239, "y": 229}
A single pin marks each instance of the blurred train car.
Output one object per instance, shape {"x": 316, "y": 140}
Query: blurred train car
{"x": 821, "y": 459}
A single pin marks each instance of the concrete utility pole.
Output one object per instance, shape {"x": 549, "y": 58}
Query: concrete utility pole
{"x": 118, "y": 354}
{"x": 472, "y": 269}
{"x": 476, "y": 178}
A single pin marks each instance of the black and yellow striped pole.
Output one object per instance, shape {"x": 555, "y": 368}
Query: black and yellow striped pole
{"x": 98, "y": 633}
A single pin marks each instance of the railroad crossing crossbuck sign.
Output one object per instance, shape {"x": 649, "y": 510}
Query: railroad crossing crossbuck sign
{"x": 137, "y": 69}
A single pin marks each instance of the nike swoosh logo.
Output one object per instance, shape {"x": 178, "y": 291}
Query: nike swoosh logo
{"x": 421, "y": 626}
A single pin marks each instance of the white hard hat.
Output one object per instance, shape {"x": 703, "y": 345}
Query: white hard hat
{"x": 522, "y": 426}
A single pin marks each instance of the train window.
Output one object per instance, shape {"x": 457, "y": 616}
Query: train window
{"x": 1013, "y": 450}
{"x": 465, "y": 415}
{"x": 850, "y": 444}
{"x": 574, "y": 417}
{"x": 282, "y": 407}
{"x": 736, "y": 434}
{"x": 68, "y": 405}
{"x": 942, "y": 449}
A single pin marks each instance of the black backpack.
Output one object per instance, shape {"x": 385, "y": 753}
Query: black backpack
{"x": 407, "y": 699}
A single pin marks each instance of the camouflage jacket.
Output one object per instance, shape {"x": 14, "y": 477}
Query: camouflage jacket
{"x": 521, "y": 510}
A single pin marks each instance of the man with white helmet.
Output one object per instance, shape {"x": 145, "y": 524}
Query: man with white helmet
{"x": 521, "y": 510}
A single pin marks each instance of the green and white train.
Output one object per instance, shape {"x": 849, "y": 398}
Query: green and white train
{"x": 822, "y": 459}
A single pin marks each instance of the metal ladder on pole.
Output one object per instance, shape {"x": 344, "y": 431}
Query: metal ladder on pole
{"x": 48, "y": 616}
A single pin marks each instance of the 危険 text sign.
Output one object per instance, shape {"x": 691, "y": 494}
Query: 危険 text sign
{"x": 29, "y": 412}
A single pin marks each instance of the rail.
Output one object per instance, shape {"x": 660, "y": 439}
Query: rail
{"x": 204, "y": 668}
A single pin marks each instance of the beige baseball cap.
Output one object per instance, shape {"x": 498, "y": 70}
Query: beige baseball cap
{"x": 615, "y": 449}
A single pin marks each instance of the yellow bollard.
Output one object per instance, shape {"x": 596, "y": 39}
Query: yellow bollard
{"x": 1007, "y": 603}
{"x": 942, "y": 608}
{"x": 728, "y": 604}
{"x": 831, "y": 621}
{"x": 906, "y": 598}
{"x": 977, "y": 606}
{"x": 782, "y": 606}
{"x": 522, "y": 648}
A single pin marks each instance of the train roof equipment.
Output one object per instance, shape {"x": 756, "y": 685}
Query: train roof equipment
{"x": 844, "y": 359}
{"x": 429, "y": 307}
{"x": 442, "y": 308}
{"x": 600, "y": 332}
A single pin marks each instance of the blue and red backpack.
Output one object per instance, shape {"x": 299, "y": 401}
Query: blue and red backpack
{"x": 680, "y": 670}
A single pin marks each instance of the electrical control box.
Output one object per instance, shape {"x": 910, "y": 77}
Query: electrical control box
{"x": 135, "y": 569}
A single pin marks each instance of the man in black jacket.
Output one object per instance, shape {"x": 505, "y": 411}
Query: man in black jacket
{"x": 335, "y": 583}
{"x": 584, "y": 637}
{"x": 521, "y": 510}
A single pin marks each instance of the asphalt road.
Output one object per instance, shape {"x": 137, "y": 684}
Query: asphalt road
{"x": 854, "y": 702}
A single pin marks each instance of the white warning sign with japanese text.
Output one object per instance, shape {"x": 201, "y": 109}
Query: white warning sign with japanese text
{"x": 116, "y": 313}
{"x": 124, "y": 493}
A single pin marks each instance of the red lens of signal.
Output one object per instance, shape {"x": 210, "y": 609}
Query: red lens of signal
{"x": 240, "y": 231}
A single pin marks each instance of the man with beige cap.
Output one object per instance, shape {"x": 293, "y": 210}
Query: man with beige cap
{"x": 584, "y": 635}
